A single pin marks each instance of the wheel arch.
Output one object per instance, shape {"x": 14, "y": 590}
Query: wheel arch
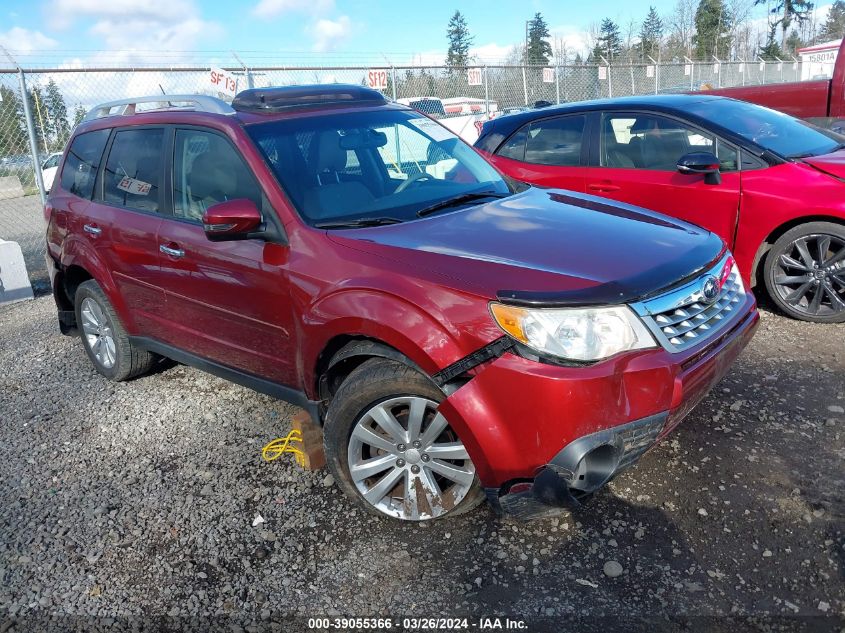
{"x": 776, "y": 233}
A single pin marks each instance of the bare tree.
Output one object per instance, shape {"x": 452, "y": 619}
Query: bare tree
{"x": 682, "y": 26}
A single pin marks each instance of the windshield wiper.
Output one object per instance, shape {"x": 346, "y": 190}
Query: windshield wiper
{"x": 459, "y": 199}
{"x": 354, "y": 224}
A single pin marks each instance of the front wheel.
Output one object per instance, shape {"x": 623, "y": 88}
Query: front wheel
{"x": 805, "y": 272}
{"x": 388, "y": 446}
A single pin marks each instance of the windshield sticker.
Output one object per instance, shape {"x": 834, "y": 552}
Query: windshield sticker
{"x": 138, "y": 187}
{"x": 432, "y": 128}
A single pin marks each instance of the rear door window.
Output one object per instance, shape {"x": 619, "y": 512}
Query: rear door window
{"x": 555, "y": 141}
{"x": 82, "y": 163}
{"x": 133, "y": 172}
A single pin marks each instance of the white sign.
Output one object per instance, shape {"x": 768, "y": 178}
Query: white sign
{"x": 716, "y": 69}
{"x": 780, "y": 65}
{"x": 223, "y": 81}
{"x": 602, "y": 73}
{"x": 548, "y": 75}
{"x": 687, "y": 69}
{"x": 138, "y": 187}
{"x": 762, "y": 66}
{"x": 474, "y": 76}
{"x": 649, "y": 71}
{"x": 377, "y": 78}
{"x": 741, "y": 68}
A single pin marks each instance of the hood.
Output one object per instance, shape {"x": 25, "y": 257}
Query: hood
{"x": 832, "y": 164}
{"x": 547, "y": 246}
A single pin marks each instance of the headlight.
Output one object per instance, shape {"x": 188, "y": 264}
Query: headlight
{"x": 583, "y": 334}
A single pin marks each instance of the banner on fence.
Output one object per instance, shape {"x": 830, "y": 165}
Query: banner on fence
{"x": 548, "y": 75}
{"x": 602, "y": 73}
{"x": 474, "y": 76}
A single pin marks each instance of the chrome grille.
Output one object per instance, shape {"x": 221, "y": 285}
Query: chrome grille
{"x": 683, "y": 318}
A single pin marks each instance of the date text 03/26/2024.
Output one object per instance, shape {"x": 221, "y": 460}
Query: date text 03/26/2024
{"x": 416, "y": 624}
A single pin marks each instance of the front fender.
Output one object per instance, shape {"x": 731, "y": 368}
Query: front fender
{"x": 382, "y": 316}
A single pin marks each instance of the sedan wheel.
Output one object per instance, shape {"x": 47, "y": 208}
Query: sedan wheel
{"x": 806, "y": 274}
{"x": 406, "y": 461}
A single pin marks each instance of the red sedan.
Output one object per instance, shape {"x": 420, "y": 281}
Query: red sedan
{"x": 769, "y": 184}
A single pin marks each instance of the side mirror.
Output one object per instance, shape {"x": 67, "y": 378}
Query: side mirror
{"x": 701, "y": 163}
{"x": 231, "y": 220}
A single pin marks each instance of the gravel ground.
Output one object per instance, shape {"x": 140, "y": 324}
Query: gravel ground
{"x": 134, "y": 503}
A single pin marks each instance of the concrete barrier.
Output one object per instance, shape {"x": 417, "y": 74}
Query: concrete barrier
{"x": 10, "y": 187}
{"x": 14, "y": 281}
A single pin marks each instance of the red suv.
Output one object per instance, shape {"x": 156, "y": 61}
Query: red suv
{"x": 453, "y": 337}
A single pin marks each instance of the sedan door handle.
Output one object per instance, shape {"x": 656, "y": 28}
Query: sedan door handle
{"x": 603, "y": 187}
{"x": 92, "y": 229}
{"x": 173, "y": 252}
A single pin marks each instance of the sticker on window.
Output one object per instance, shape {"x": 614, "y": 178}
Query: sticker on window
{"x": 432, "y": 128}
{"x": 137, "y": 187}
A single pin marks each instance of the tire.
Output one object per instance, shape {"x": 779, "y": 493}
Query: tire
{"x": 804, "y": 282}
{"x": 386, "y": 468}
{"x": 104, "y": 337}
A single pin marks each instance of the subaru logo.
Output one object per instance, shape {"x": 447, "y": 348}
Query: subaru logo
{"x": 710, "y": 288}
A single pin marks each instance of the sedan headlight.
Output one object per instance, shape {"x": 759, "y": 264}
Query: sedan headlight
{"x": 582, "y": 334}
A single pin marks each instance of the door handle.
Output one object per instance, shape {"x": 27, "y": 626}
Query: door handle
{"x": 92, "y": 229}
{"x": 173, "y": 252}
{"x": 606, "y": 187}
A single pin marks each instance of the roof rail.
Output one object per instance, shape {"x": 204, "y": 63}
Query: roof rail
{"x": 279, "y": 99}
{"x": 197, "y": 103}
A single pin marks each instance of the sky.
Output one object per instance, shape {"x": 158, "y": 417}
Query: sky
{"x": 296, "y": 32}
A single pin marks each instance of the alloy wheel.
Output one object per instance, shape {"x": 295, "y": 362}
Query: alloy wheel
{"x": 810, "y": 275}
{"x": 98, "y": 334}
{"x": 407, "y": 462}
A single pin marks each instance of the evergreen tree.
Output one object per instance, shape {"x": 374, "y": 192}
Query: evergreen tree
{"x": 78, "y": 114}
{"x": 57, "y": 109}
{"x": 771, "y": 51}
{"x": 538, "y": 50}
{"x": 12, "y": 135}
{"x": 793, "y": 43}
{"x": 712, "y": 30}
{"x": 834, "y": 25}
{"x": 459, "y": 41}
{"x": 790, "y": 11}
{"x": 609, "y": 43}
{"x": 651, "y": 34}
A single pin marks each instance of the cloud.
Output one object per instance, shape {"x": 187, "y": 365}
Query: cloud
{"x": 272, "y": 8}
{"x": 329, "y": 34}
{"x": 127, "y": 25}
{"x": 491, "y": 52}
{"x": 20, "y": 40}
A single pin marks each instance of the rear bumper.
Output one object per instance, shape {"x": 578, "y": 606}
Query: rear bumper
{"x": 556, "y": 434}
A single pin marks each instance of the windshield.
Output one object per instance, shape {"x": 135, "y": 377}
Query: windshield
{"x": 775, "y": 131}
{"x": 371, "y": 164}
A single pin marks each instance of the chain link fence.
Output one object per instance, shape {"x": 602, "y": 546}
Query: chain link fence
{"x": 58, "y": 99}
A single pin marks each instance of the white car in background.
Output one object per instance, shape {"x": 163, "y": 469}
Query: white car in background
{"x": 48, "y": 169}
{"x": 463, "y": 115}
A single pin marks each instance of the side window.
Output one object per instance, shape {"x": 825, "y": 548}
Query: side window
{"x": 206, "y": 170}
{"x": 53, "y": 161}
{"x": 132, "y": 177}
{"x": 647, "y": 141}
{"x": 83, "y": 161}
{"x": 555, "y": 142}
{"x": 514, "y": 147}
{"x": 727, "y": 156}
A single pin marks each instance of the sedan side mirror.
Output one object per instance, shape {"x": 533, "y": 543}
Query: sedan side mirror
{"x": 701, "y": 163}
{"x": 237, "y": 219}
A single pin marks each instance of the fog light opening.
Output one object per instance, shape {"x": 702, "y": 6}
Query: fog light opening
{"x": 596, "y": 468}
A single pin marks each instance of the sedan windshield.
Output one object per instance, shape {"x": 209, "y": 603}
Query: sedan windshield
{"x": 373, "y": 167}
{"x": 777, "y": 132}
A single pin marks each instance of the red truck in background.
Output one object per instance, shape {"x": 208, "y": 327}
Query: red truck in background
{"x": 820, "y": 101}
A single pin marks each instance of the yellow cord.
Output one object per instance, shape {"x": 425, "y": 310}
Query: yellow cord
{"x": 277, "y": 447}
